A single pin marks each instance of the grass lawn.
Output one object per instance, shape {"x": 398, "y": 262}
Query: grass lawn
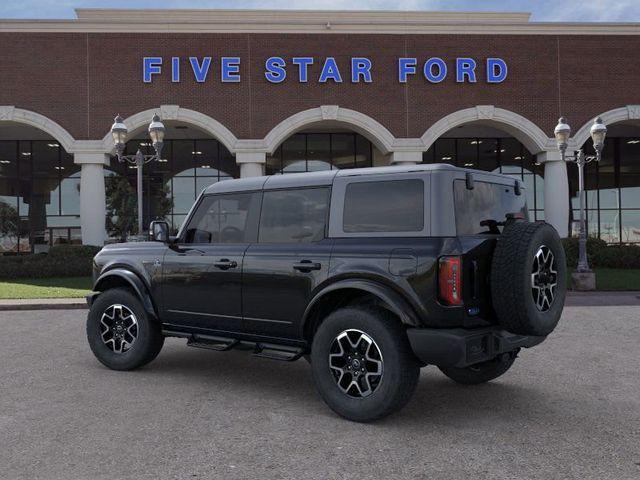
{"x": 72, "y": 287}
{"x": 612, "y": 279}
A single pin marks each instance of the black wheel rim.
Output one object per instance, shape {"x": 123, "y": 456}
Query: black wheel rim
{"x": 544, "y": 278}
{"x": 118, "y": 328}
{"x": 356, "y": 363}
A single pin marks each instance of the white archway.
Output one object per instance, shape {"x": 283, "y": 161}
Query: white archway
{"x": 629, "y": 112}
{"x": 9, "y": 113}
{"x": 527, "y": 132}
{"x": 177, "y": 113}
{"x": 382, "y": 138}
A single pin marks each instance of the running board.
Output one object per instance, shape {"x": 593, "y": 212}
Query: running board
{"x": 272, "y": 351}
{"x": 277, "y": 352}
{"x": 210, "y": 342}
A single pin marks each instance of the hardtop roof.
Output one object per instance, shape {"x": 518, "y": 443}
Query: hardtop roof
{"x": 326, "y": 177}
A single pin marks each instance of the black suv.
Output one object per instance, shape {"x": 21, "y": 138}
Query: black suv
{"x": 370, "y": 274}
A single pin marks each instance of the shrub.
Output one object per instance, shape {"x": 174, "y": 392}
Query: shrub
{"x": 571, "y": 249}
{"x": 61, "y": 261}
{"x": 599, "y": 254}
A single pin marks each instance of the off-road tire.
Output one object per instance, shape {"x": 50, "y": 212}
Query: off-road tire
{"x": 149, "y": 340}
{"x": 482, "y": 372}
{"x": 511, "y": 278}
{"x": 400, "y": 368}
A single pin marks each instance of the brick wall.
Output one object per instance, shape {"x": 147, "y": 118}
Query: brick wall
{"x": 82, "y": 80}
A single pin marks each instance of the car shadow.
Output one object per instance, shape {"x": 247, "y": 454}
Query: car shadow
{"x": 436, "y": 399}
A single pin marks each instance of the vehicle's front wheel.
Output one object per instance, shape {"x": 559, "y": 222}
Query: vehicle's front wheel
{"x": 482, "y": 372}
{"x": 362, "y": 363}
{"x": 120, "y": 333}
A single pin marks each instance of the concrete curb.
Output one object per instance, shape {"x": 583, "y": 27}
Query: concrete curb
{"x": 43, "y": 304}
{"x": 574, "y": 299}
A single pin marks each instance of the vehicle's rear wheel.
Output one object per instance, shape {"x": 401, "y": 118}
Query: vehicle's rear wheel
{"x": 120, "y": 333}
{"x": 362, "y": 363}
{"x": 528, "y": 278}
{"x": 482, "y": 372}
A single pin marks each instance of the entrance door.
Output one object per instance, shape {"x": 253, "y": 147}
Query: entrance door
{"x": 202, "y": 272}
{"x": 289, "y": 261}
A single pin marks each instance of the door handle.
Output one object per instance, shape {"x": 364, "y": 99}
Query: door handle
{"x": 306, "y": 266}
{"x": 225, "y": 264}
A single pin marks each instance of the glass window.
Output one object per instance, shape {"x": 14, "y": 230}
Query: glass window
{"x": 467, "y": 150}
{"x": 631, "y": 226}
{"x": 363, "y": 152}
{"x": 318, "y": 152}
{"x": 488, "y": 151}
{"x": 294, "y": 154}
{"x": 229, "y": 218}
{"x": 486, "y": 202}
{"x": 445, "y": 151}
{"x": 343, "y": 150}
{"x": 386, "y": 206}
{"x": 294, "y": 216}
{"x": 8, "y": 159}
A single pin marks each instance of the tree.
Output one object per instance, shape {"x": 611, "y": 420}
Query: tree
{"x": 9, "y": 221}
{"x": 122, "y": 213}
{"x": 122, "y": 207}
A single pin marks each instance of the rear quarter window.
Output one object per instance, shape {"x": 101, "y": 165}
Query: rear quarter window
{"x": 384, "y": 206}
{"x": 485, "y": 202}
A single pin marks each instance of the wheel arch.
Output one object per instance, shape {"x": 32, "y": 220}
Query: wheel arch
{"x": 120, "y": 277}
{"x": 347, "y": 292}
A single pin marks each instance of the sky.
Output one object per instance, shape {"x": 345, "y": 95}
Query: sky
{"x": 542, "y": 10}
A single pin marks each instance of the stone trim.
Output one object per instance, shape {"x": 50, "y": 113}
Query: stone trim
{"x": 629, "y": 112}
{"x": 378, "y": 134}
{"x": 319, "y": 22}
{"x": 532, "y": 136}
{"x": 10, "y": 113}
{"x": 177, "y": 113}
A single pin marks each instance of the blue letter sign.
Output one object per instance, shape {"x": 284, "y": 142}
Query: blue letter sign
{"x": 275, "y": 69}
{"x": 496, "y": 70}
{"x": 151, "y": 66}
{"x": 200, "y": 71}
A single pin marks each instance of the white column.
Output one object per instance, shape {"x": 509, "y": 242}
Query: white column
{"x": 251, "y": 163}
{"x": 405, "y": 158}
{"x": 556, "y": 191}
{"x": 92, "y": 197}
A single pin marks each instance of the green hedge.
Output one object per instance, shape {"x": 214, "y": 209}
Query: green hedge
{"x": 61, "y": 261}
{"x": 601, "y": 255}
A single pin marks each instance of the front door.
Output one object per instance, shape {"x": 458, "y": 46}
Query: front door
{"x": 202, "y": 271}
{"x": 290, "y": 259}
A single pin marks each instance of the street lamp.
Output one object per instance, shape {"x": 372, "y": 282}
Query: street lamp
{"x": 119, "y": 133}
{"x": 562, "y": 133}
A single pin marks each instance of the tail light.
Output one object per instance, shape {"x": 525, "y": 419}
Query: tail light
{"x": 450, "y": 280}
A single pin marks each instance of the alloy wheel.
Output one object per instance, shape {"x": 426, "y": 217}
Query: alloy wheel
{"x": 356, "y": 363}
{"x": 544, "y": 278}
{"x": 118, "y": 328}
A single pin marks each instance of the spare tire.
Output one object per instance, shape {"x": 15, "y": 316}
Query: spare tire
{"x": 528, "y": 278}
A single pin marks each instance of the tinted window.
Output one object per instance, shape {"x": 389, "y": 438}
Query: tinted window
{"x": 294, "y": 216}
{"x": 388, "y": 206}
{"x": 230, "y": 218}
{"x": 487, "y": 201}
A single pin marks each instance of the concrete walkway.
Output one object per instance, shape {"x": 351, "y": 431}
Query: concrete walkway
{"x": 574, "y": 299}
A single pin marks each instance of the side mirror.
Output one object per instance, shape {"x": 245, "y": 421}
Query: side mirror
{"x": 159, "y": 231}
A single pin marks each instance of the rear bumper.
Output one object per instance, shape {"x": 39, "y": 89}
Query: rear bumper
{"x": 459, "y": 347}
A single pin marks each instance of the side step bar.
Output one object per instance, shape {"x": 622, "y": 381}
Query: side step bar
{"x": 221, "y": 344}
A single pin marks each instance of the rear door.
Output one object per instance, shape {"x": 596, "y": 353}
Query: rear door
{"x": 290, "y": 259}
{"x": 202, "y": 273}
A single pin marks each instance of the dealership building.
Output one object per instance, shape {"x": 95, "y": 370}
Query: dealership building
{"x": 246, "y": 93}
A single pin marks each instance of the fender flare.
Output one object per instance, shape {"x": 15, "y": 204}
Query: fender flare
{"x": 393, "y": 300}
{"x": 133, "y": 280}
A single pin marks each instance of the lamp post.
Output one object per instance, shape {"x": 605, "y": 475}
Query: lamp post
{"x": 119, "y": 133}
{"x": 562, "y": 133}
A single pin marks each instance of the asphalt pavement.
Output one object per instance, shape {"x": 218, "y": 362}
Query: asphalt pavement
{"x": 569, "y": 408}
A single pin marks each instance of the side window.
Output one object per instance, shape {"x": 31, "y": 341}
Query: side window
{"x": 294, "y": 216}
{"x": 384, "y": 206}
{"x": 227, "y": 218}
{"x": 486, "y": 202}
